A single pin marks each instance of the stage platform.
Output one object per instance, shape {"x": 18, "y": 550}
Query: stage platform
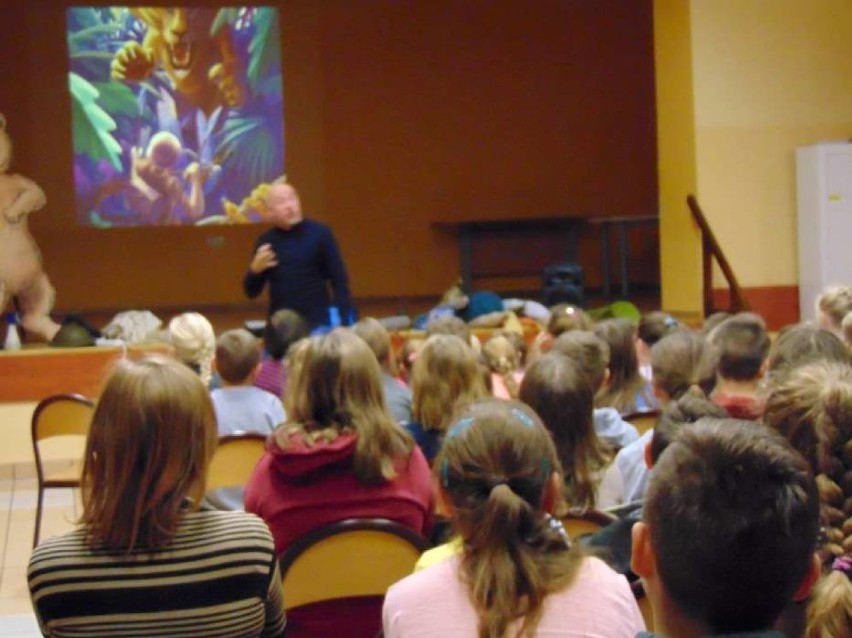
{"x": 35, "y": 372}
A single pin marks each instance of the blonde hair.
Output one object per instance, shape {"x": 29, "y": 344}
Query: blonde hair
{"x": 152, "y": 435}
{"x": 502, "y": 357}
{"x": 339, "y": 390}
{"x": 295, "y": 362}
{"x": 194, "y": 342}
{"x": 495, "y": 466}
{"x": 835, "y": 303}
{"x": 812, "y": 408}
{"x": 445, "y": 376}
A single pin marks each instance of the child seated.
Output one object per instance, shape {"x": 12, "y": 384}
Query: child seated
{"x": 627, "y": 390}
{"x": 397, "y": 393}
{"x": 653, "y": 326}
{"x": 240, "y": 406}
{"x": 728, "y": 531}
{"x": 559, "y": 392}
{"x": 742, "y": 345}
{"x": 284, "y": 328}
{"x": 503, "y": 361}
{"x": 516, "y": 573}
{"x": 591, "y": 353}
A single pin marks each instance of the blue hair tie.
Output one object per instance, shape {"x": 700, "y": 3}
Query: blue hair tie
{"x": 523, "y": 417}
{"x": 460, "y": 426}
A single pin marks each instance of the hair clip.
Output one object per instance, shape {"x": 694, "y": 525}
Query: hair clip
{"x": 843, "y": 564}
{"x": 523, "y": 417}
{"x": 670, "y": 322}
{"x": 460, "y": 426}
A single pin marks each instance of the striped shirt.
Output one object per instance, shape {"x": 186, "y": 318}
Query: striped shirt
{"x": 218, "y": 577}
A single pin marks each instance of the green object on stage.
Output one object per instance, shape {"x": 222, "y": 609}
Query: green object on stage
{"x": 616, "y": 310}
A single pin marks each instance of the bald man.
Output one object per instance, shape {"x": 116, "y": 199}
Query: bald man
{"x": 300, "y": 261}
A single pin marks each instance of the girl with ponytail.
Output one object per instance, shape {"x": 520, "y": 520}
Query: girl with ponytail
{"x": 516, "y": 575}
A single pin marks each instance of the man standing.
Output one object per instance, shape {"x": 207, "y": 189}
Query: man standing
{"x": 299, "y": 258}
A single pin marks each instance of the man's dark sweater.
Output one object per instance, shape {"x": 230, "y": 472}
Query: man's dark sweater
{"x": 308, "y": 260}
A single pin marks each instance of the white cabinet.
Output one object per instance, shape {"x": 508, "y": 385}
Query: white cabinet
{"x": 824, "y": 185}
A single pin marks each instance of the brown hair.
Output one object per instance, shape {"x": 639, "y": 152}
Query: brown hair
{"x": 625, "y": 382}
{"x": 449, "y": 325}
{"x": 677, "y": 362}
{"x": 589, "y": 351}
{"x": 152, "y": 435}
{"x": 495, "y": 465}
{"x": 339, "y": 389}
{"x": 742, "y": 343}
{"x": 284, "y": 328}
{"x": 803, "y": 343}
{"x": 558, "y": 390}
{"x": 445, "y": 376}
{"x": 376, "y": 336}
{"x": 733, "y": 516}
{"x": 502, "y": 357}
{"x": 565, "y": 317}
{"x": 653, "y": 326}
{"x": 237, "y": 355}
{"x": 687, "y": 409}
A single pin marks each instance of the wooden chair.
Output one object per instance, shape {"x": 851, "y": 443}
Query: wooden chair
{"x": 59, "y": 415}
{"x": 231, "y": 466}
{"x": 588, "y": 522}
{"x": 643, "y": 420}
{"x": 350, "y": 558}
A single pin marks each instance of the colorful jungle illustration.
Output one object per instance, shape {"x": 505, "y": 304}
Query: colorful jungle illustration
{"x": 177, "y": 112}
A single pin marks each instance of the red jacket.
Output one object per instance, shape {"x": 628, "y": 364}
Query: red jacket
{"x": 302, "y": 488}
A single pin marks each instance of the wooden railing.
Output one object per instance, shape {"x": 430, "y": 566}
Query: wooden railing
{"x": 710, "y": 248}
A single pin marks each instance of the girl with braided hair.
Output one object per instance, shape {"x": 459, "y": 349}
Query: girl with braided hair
{"x": 812, "y": 407}
{"x": 516, "y": 573}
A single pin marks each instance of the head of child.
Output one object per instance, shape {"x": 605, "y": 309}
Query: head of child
{"x": 832, "y": 307}
{"x": 678, "y": 363}
{"x": 499, "y": 477}
{"x": 237, "y": 357}
{"x": 624, "y": 380}
{"x": 144, "y": 465}
{"x": 589, "y": 351}
{"x": 338, "y": 390}
{"x": 729, "y": 530}
{"x": 377, "y": 337}
{"x": 407, "y": 355}
{"x": 502, "y": 359}
{"x": 450, "y": 325}
{"x": 565, "y": 317}
{"x": 559, "y": 392}
{"x": 686, "y": 410}
{"x": 652, "y": 327}
{"x": 284, "y": 328}
{"x": 803, "y": 343}
{"x": 741, "y": 344}
{"x": 192, "y": 338}
{"x": 445, "y": 376}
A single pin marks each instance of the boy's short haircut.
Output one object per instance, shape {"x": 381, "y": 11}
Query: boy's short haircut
{"x": 284, "y": 328}
{"x": 589, "y": 351}
{"x": 237, "y": 355}
{"x": 376, "y": 336}
{"x": 688, "y": 409}
{"x": 565, "y": 318}
{"x": 742, "y": 343}
{"x": 733, "y": 516}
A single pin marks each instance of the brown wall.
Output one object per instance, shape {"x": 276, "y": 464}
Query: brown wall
{"x": 397, "y": 114}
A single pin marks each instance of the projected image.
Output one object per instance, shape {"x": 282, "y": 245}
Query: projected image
{"x": 176, "y": 113}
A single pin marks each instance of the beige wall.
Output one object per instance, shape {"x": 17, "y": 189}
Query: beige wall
{"x": 769, "y": 75}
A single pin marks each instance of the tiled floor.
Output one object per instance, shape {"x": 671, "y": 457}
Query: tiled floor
{"x": 18, "y": 490}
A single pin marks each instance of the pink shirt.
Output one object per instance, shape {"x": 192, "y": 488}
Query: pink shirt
{"x": 433, "y": 603}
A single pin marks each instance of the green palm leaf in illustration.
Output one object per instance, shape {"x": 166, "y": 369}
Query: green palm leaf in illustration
{"x": 92, "y": 125}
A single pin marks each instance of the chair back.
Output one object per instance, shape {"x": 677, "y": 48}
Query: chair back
{"x": 59, "y": 415}
{"x": 585, "y": 523}
{"x": 234, "y": 460}
{"x": 643, "y": 420}
{"x": 376, "y": 553}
